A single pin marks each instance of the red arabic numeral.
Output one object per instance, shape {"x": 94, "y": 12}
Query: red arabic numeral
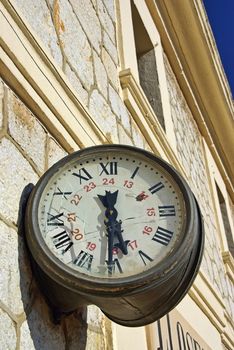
{"x": 91, "y": 246}
{"x": 147, "y": 230}
{"x": 151, "y": 212}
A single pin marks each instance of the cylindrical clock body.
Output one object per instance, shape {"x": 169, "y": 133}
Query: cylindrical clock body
{"x": 117, "y": 227}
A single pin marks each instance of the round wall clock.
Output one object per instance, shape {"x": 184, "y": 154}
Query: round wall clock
{"x": 117, "y": 227}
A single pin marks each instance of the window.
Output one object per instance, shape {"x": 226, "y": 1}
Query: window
{"x": 147, "y": 67}
{"x": 226, "y": 223}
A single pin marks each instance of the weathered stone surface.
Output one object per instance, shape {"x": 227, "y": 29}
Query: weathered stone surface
{"x": 124, "y": 137}
{"x": 38, "y": 331}
{"x": 55, "y": 152}
{"x": 100, "y": 74}
{"x": 15, "y": 273}
{"x": 76, "y": 84}
{"x": 26, "y": 131}
{"x": 95, "y": 331}
{"x": 110, "y": 5}
{"x": 106, "y": 20}
{"x": 89, "y": 21}
{"x": 1, "y": 102}
{"x": 37, "y": 14}
{"x": 119, "y": 108}
{"x": 75, "y": 43}
{"x": 190, "y": 153}
{"x": 111, "y": 68}
{"x": 110, "y": 47}
{"x": 15, "y": 174}
{"x": 103, "y": 116}
{"x": 137, "y": 137}
{"x": 7, "y": 332}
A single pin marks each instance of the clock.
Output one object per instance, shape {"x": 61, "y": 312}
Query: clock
{"x": 114, "y": 226}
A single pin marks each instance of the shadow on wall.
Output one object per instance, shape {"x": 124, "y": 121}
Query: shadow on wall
{"x": 39, "y": 331}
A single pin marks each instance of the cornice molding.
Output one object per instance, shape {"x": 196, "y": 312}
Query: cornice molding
{"x": 143, "y": 114}
{"x": 29, "y": 71}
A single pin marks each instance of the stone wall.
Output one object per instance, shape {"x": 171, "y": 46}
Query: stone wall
{"x": 81, "y": 38}
{"x": 191, "y": 154}
{"x": 26, "y": 151}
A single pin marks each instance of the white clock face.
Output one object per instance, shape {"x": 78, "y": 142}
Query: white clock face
{"x": 111, "y": 214}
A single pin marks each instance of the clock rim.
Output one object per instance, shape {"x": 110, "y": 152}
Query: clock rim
{"x": 73, "y": 279}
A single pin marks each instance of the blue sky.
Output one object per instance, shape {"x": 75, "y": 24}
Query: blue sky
{"x": 221, "y": 17}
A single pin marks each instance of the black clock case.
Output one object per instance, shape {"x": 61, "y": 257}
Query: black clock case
{"x": 131, "y": 301}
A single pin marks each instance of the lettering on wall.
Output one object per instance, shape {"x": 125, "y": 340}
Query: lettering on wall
{"x": 175, "y": 333}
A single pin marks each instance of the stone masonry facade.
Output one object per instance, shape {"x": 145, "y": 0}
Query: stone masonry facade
{"x": 81, "y": 38}
{"x": 26, "y": 322}
{"x": 191, "y": 155}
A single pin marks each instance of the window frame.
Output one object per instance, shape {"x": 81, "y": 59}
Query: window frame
{"x": 128, "y": 59}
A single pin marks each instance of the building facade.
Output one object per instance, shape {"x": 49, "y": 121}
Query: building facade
{"x": 77, "y": 73}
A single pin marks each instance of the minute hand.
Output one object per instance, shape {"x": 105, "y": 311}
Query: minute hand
{"x": 113, "y": 226}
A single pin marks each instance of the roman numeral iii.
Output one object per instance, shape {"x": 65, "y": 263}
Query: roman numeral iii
{"x": 166, "y": 210}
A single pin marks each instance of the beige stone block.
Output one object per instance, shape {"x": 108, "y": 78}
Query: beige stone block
{"x": 55, "y": 152}
{"x": 26, "y": 131}
{"x": 124, "y": 138}
{"x": 106, "y": 20}
{"x": 100, "y": 74}
{"x": 110, "y": 5}
{"x": 110, "y": 47}
{"x": 103, "y": 116}
{"x": 77, "y": 85}
{"x": 119, "y": 108}
{"x": 75, "y": 44}
{"x": 7, "y": 332}
{"x": 96, "y": 329}
{"x": 15, "y": 174}
{"x": 37, "y": 15}
{"x": 38, "y": 331}
{"x": 95, "y": 340}
{"x": 110, "y": 68}
{"x": 1, "y": 102}
{"x": 138, "y": 138}
{"x": 15, "y": 273}
{"x": 89, "y": 21}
